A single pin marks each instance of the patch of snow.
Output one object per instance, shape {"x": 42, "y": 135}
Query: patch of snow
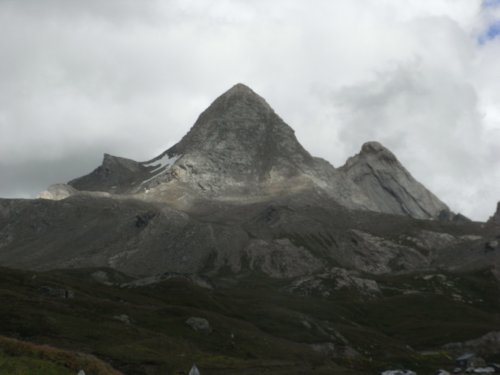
{"x": 160, "y": 165}
{"x": 163, "y": 161}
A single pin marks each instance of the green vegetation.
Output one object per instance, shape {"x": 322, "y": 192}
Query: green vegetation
{"x": 20, "y": 357}
{"x": 258, "y": 324}
{"x": 21, "y": 365}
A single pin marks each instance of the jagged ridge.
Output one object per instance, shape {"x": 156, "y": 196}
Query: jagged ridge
{"x": 239, "y": 147}
{"x": 389, "y": 186}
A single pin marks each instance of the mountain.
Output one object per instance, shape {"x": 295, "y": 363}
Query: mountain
{"x": 238, "y": 193}
{"x": 239, "y": 251}
{"x": 389, "y": 186}
{"x": 240, "y": 149}
{"x": 495, "y": 219}
{"x": 238, "y": 143}
{"x": 115, "y": 175}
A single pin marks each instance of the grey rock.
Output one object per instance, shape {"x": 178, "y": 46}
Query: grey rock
{"x": 197, "y": 280}
{"x": 398, "y": 372}
{"x": 389, "y": 186}
{"x": 238, "y": 193}
{"x": 124, "y": 318}
{"x": 321, "y": 284}
{"x": 280, "y": 258}
{"x": 58, "y": 192}
{"x": 239, "y": 149}
{"x": 491, "y": 245}
{"x": 485, "y": 345}
{"x": 114, "y": 175}
{"x": 447, "y": 215}
{"x": 239, "y": 140}
{"x": 495, "y": 219}
{"x": 199, "y": 324}
{"x": 101, "y": 277}
{"x": 331, "y": 350}
{"x": 378, "y": 255}
{"x": 286, "y": 236}
{"x": 430, "y": 240}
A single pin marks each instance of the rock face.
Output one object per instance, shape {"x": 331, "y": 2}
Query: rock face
{"x": 115, "y": 175}
{"x": 389, "y": 186}
{"x": 485, "y": 345}
{"x": 239, "y": 194}
{"x": 495, "y": 219}
{"x": 57, "y": 192}
{"x": 199, "y": 324}
{"x": 240, "y": 148}
{"x": 238, "y": 141}
{"x": 236, "y": 145}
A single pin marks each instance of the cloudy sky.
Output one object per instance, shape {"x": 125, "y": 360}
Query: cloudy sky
{"x": 129, "y": 77}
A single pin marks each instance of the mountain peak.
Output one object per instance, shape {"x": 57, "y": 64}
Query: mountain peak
{"x": 389, "y": 185}
{"x": 495, "y": 219}
{"x": 373, "y": 147}
{"x": 377, "y": 150}
{"x": 239, "y": 101}
{"x": 239, "y": 147}
{"x": 240, "y": 88}
{"x": 239, "y": 137}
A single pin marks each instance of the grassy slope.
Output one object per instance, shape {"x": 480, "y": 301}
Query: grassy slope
{"x": 21, "y": 357}
{"x": 257, "y": 326}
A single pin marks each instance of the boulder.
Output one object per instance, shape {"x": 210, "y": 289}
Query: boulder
{"x": 200, "y": 325}
{"x": 57, "y": 192}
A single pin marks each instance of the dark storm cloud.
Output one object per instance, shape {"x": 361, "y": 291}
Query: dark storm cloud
{"x": 26, "y": 179}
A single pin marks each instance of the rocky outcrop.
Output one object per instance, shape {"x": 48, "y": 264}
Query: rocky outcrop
{"x": 378, "y": 255}
{"x": 495, "y": 219}
{"x": 57, "y": 192}
{"x": 200, "y": 325}
{"x": 280, "y": 258}
{"x": 237, "y": 144}
{"x": 237, "y": 194}
{"x": 326, "y": 283}
{"x": 114, "y": 175}
{"x": 389, "y": 186}
{"x": 487, "y": 344}
{"x": 240, "y": 149}
{"x": 239, "y": 140}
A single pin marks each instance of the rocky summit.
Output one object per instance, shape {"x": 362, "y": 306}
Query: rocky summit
{"x": 240, "y": 149}
{"x": 389, "y": 186}
{"x": 239, "y": 251}
{"x": 238, "y": 144}
{"x": 495, "y": 219}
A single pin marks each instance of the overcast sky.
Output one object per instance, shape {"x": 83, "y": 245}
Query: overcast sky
{"x": 130, "y": 77}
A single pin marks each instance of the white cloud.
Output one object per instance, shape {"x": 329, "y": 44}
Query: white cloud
{"x": 130, "y": 77}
